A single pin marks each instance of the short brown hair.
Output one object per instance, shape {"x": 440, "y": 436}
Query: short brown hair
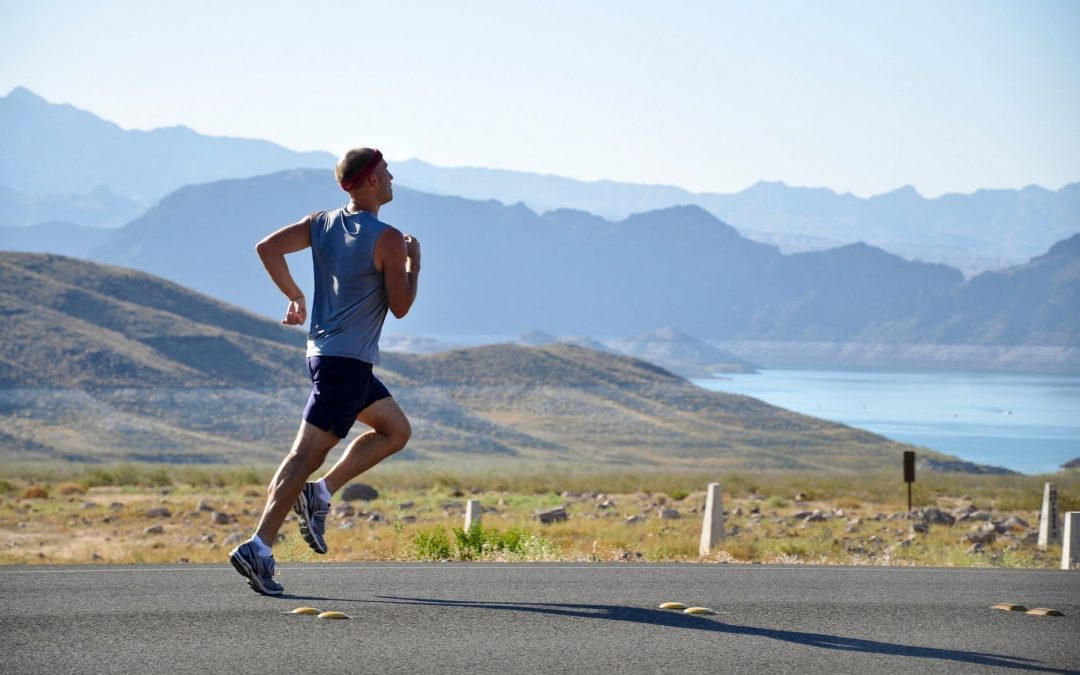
{"x": 353, "y": 161}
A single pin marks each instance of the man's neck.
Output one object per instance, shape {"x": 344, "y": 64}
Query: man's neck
{"x": 363, "y": 205}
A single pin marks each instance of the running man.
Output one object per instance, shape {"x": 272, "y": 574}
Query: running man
{"x": 363, "y": 267}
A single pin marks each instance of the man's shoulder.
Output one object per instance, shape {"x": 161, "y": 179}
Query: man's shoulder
{"x": 389, "y": 233}
{"x": 316, "y": 217}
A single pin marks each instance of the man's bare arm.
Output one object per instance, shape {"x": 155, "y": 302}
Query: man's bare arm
{"x": 398, "y": 258}
{"x": 272, "y": 250}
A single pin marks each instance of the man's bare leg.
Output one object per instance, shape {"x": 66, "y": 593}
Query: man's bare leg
{"x": 390, "y": 431}
{"x": 308, "y": 453}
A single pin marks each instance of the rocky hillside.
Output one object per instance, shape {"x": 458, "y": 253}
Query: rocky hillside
{"x": 101, "y": 363}
{"x": 73, "y": 324}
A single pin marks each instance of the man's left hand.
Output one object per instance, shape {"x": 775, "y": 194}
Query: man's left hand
{"x": 297, "y": 312}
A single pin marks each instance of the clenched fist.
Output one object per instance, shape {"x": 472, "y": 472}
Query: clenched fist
{"x": 412, "y": 248}
{"x": 296, "y": 315}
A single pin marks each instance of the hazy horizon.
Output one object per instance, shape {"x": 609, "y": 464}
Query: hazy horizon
{"x": 710, "y": 97}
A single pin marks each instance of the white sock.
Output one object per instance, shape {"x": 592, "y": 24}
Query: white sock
{"x": 324, "y": 492}
{"x": 261, "y": 547}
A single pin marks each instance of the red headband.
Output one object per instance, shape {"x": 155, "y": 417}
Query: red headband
{"x": 360, "y": 176}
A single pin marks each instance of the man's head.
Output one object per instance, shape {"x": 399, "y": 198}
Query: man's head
{"x": 362, "y": 172}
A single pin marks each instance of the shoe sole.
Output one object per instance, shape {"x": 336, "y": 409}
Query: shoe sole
{"x": 301, "y": 509}
{"x": 253, "y": 581}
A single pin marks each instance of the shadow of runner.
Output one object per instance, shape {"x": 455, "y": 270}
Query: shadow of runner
{"x": 290, "y": 596}
{"x": 672, "y": 619}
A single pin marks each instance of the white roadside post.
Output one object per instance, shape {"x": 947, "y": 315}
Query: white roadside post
{"x": 472, "y": 513}
{"x": 1049, "y": 527}
{"x": 1070, "y": 541}
{"x": 712, "y": 530}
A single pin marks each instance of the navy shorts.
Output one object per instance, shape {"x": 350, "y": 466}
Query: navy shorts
{"x": 340, "y": 388}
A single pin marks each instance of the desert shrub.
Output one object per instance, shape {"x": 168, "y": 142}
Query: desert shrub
{"x": 479, "y": 541}
{"x": 68, "y": 489}
{"x": 6, "y": 487}
{"x": 1067, "y": 502}
{"x": 432, "y": 544}
{"x": 248, "y": 476}
{"x": 470, "y": 543}
{"x": 35, "y": 492}
{"x": 159, "y": 477}
{"x": 847, "y": 503}
{"x": 129, "y": 475}
{"x": 679, "y": 495}
{"x": 116, "y": 476}
{"x": 776, "y": 501}
{"x": 792, "y": 548}
{"x": 514, "y": 540}
{"x": 745, "y": 549}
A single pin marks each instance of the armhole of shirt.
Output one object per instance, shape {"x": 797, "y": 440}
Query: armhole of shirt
{"x": 316, "y": 222}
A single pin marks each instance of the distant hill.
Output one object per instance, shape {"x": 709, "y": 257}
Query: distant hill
{"x": 1034, "y": 303}
{"x": 494, "y": 265}
{"x": 682, "y": 353}
{"x": 99, "y": 208}
{"x": 50, "y": 149}
{"x": 539, "y": 338}
{"x": 101, "y": 363}
{"x": 986, "y": 229}
{"x": 497, "y": 270}
{"x": 69, "y": 323}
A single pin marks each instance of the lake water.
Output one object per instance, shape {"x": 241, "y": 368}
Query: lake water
{"x": 1028, "y": 423}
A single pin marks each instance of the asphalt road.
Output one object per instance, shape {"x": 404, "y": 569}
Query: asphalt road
{"x": 551, "y": 618}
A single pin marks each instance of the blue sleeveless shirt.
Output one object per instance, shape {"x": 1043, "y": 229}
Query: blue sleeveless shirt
{"x": 350, "y": 302}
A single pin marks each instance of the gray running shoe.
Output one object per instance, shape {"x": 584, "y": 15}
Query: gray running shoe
{"x": 258, "y": 569}
{"x": 312, "y": 511}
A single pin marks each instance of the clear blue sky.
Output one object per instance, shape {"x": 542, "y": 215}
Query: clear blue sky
{"x": 712, "y": 96}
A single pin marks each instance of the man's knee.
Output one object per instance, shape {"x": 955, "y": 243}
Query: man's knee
{"x": 311, "y": 446}
{"x": 385, "y": 418}
{"x": 398, "y": 433}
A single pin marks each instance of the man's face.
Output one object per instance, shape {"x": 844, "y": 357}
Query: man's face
{"x": 385, "y": 178}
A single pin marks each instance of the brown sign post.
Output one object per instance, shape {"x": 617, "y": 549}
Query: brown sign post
{"x": 909, "y": 474}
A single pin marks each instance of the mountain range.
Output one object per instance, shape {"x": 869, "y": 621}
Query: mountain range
{"x": 60, "y": 163}
{"x": 106, "y": 364}
{"x": 498, "y": 270}
{"x": 51, "y": 149}
{"x": 99, "y": 208}
{"x": 502, "y": 270}
{"x": 984, "y": 230}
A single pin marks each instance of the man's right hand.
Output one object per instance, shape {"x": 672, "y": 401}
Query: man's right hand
{"x": 296, "y": 315}
{"x": 412, "y": 248}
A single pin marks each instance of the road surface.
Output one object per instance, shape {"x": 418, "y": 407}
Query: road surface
{"x": 550, "y": 618}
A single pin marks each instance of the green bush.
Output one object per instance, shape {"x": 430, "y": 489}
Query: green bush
{"x": 159, "y": 477}
{"x": 6, "y": 487}
{"x": 432, "y": 544}
{"x": 792, "y": 548}
{"x": 129, "y": 475}
{"x": 470, "y": 543}
{"x": 477, "y": 541}
{"x": 678, "y": 495}
{"x": 117, "y": 476}
{"x": 515, "y": 540}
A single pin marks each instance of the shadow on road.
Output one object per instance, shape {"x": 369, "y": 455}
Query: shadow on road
{"x": 678, "y": 620}
{"x": 290, "y": 596}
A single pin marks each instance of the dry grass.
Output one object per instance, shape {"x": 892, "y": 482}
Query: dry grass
{"x": 100, "y": 515}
